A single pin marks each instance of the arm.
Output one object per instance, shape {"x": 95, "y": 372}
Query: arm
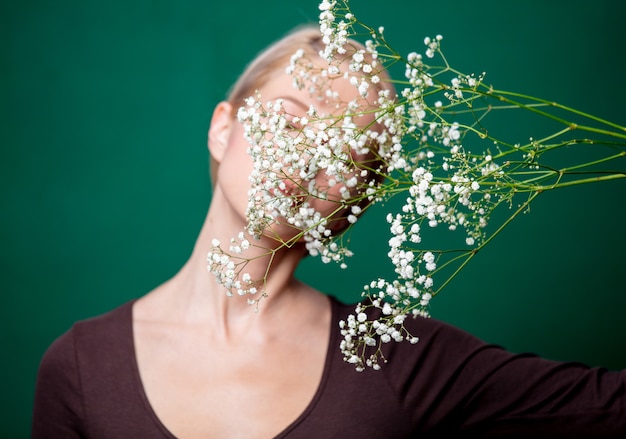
{"x": 528, "y": 396}
{"x": 454, "y": 382}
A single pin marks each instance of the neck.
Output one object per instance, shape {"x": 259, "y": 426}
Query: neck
{"x": 197, "y": 297}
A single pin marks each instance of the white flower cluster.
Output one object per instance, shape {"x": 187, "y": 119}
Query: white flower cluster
{"x": 228, "y": 268}
{"x": 364, "y": 336}
{"x": 288, "y": 163}
{"x": 430, "y": 128}
{"x": 418, "y": 147}
{"x": 441, "y": 180}
{"x": 334, "y": 34}
{"x": 298, "y": 159}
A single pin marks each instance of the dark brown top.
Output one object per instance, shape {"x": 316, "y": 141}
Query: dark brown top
{"x": 449, "y": 384}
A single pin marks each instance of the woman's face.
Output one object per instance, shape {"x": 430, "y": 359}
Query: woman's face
{"x": 237, "y": 164}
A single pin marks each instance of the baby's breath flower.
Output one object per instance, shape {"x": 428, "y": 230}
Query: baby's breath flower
{"x": 422, "y": 142}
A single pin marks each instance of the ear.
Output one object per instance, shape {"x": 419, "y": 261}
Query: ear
{"x": 219, "y": 131}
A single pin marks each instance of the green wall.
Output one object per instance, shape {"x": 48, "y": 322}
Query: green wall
{"x": 105, "y": 108}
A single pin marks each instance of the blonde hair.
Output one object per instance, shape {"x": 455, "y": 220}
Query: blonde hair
{"x": 277, "y": 56}
{"x": 274, "y": 57}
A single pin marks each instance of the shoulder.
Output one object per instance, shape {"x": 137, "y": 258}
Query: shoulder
{"x": 440, "y": 347}
{"x": 88, "y": 334}
{"x": 426, "y": 329}
{"x": 410, "y": 382}
{"x": 104, "y": 326}
{"x": 441, "y": 352}
{"x": 104, "y": 346}
{"x": 60, "y": 388}
{"x": 85, "y": 339}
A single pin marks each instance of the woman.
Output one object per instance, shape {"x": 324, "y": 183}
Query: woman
{"x": 188, "y": 361}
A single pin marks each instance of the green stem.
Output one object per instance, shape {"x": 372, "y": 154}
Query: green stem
{"x": 500, "y": 95}
{"x": 562, "y": 107}
{"x": 595, "y": 162}
{"x": 473, "y": 253}
{"x": 581, "y": 181}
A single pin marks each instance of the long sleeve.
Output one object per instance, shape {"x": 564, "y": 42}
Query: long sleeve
{"x": 457, "y": 383}
{"x": 58, "y": 406}
{"x": 526, "y": 395}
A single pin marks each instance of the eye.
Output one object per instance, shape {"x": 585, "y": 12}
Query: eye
{"x": 293, "y": 123}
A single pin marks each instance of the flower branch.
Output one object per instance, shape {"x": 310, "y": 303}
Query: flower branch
{"x": 440, "y": 116}
{"x": 432, "y": 144}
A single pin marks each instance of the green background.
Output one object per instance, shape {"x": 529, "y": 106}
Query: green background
{"x": 105, "y": 108}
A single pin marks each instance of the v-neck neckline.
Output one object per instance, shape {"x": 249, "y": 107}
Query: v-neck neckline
{"x": 332, "y": 335}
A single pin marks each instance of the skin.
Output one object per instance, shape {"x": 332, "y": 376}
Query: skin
{"x": 210, "y": 365}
